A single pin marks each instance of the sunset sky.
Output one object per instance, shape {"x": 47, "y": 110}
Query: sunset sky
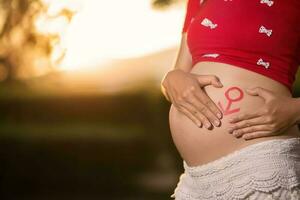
{"x": 104, "y": 30}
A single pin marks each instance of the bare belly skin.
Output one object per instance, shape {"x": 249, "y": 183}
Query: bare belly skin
{"x": 199, "y": 146}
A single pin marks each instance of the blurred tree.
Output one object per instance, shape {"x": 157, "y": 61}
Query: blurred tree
{"x": 24, "y": 51}
{"x": 161, "y": 4}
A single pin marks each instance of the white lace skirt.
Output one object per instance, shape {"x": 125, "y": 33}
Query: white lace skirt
{"x": 268, "y": 170}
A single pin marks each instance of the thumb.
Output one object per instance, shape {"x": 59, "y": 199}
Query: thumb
{"x": 259, "y": 91}
{"x": 204, "y": 80}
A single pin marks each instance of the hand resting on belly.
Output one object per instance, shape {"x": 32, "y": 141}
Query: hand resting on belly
{"x": 200, "y": 145}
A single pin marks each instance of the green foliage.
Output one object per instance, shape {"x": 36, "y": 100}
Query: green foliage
{"x": 161, "y": 4}
{"x": 24, "y": 51}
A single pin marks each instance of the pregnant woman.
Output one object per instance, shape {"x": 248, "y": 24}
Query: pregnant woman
{"x": 239, "y": 59}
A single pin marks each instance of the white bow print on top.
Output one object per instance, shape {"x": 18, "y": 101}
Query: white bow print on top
{"x": 206, "y": 22}
{"x": 263, "y": 29}
{"x": 263, "y": 63}
{"x": 268, "y": 2}
{"x": 212, "y": 55}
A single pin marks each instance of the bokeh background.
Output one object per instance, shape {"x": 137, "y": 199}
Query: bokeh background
{"x": 82, "y": 115}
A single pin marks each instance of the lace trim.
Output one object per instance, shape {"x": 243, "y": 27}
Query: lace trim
{"x": 279, "y": 194}
{"x": 278, "y": 146}
{"x": 263, "y": 167}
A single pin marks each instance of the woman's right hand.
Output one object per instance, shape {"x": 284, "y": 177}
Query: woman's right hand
{"x": 185, "y": 92}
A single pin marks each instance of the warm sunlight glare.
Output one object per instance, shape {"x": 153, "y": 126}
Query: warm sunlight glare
{"x": 104, "y": 30}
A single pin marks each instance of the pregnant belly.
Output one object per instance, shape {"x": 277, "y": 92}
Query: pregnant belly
{"x": 199, "y": 145}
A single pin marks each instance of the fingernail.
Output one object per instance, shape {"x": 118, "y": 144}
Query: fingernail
{"x": 234, "y": 133}
{"x": 217, "y": 122}
{"x": 207, "y": 125}
{"x": 219, "y": 115}
{"x": 199, "y": 124}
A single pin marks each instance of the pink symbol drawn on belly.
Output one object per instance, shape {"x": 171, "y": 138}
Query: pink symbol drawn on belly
{"x": 228, "y": 111}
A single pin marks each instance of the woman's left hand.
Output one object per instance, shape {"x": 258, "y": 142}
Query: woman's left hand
{"x": 276, "y": 115}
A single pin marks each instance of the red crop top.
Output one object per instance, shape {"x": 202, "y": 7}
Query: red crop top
{"x": 259, "y": 35}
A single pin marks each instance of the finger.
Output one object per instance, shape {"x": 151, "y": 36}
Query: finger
{"x": 257, "y": 135}
{"x": 181, "y": 106}
{"x": 204, "y": 119}
{"x": 247, "y": 123}
{"x": 251, "y": 129}
{"x": 184, "y": 102}
{"x": 245, "y": 116}
{"x": 203, "y": 97}
{"x": 204, "y": 80}
{"x": 197, "y": 114}
{"x": 204, "y": 111}
{"x": 190, "y": 102}
{"x": 189, "y": 114}
{"x": 259, "y": 91}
